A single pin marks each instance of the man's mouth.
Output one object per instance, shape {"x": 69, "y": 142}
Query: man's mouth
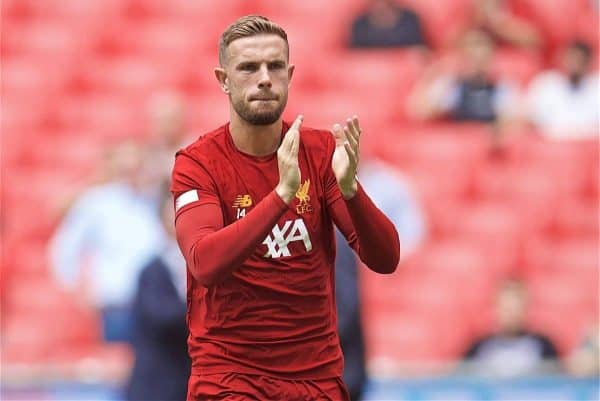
{"x": 263, "y": 98}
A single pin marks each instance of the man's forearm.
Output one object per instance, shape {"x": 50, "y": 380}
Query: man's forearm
{"x": 213, "y": 254}
{"x": 378, "y": 242}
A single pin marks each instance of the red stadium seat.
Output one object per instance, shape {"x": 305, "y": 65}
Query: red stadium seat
{"x": 453, "y": 260}
{"x": 28, "y": 79}
{"x": 16, "y": 10}
{"x": 533, "y": 191}
{"x": 329, "y": 37}
{"x": 387, "y": 76}
{"x": 577, "y": 256}
{"x": 192, "y": 12}
{"x": 19, "y": 116}
{"x": 158, "y": 38}
{"x": 30, "y": 262}
{"x": 22, "y": 342}
{"x": 516, "y": 66}
{"x": 562, "y": 292}
{"x": 555, "y": 295}
{"x": 496, "y": 229}
{"x": 587, "y": 30}
{"x": 410, "y": 339}
{"x": 565, "y": 336}
{"x": 377, "y": 289}
{"x": 76, "y": 9}
{"x": 130, "y": 76}
{"x": 537, "y": 150}
{"x": 440, "y": 165}
{"x": 440, "y": 146}
{"x": 208, "y": 111}
{"x": 332, "y": 17}
{"x": 43, "y": 40}
{"x": 440, "y": 18}
{"x": 577, "y": 218}
{"x": 563, "y": 20}
{"x": 323, "y": 109}
{"x": 307, "y": 9}
{"x": 114, "y": 117}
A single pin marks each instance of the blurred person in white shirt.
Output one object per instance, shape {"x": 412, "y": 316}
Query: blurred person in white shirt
{"x": 108, "y": 234}
{"x": 563, "y": 104}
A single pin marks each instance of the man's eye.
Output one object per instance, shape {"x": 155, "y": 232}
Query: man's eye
{"x": 275, "y": 66}
{"x": 248, "y": 67}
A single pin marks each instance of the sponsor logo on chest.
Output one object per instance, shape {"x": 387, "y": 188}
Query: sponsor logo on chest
{"x": 278, "y": 241}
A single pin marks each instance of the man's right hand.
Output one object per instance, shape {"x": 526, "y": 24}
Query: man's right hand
{"x": 287, "y": 160}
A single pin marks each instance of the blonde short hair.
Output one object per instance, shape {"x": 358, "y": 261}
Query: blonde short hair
{"x": 247, "y": 26}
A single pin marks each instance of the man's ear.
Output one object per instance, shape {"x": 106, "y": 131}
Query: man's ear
{"x": 221, "y": 76}
{"x": 291, "y": 68}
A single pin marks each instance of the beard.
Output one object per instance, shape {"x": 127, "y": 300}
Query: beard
{"x": 258, "y": 117}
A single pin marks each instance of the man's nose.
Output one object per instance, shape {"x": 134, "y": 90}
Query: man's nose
{"x": 264, "y": 78}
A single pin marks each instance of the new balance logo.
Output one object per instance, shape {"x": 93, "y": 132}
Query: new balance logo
{"x": 277, "y": 242}
{"x": 242, "y": 201}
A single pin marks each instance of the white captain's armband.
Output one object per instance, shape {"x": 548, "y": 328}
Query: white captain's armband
{"x": 186, "y": 198}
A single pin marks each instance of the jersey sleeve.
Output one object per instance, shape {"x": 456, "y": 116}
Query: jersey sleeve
{"x": 213, "y": 250}
{"x": 368, "y": 231}
{"x": 191, "y": 185}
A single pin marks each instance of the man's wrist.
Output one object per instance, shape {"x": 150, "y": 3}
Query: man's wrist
{"x": 349, "y": 191}
{"x": 284, "y": 193}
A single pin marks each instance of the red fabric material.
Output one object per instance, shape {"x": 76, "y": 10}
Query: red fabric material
{"x": 233, "y": 386}
{"x": 260, "y": 273}
{"x": 206, "y": 244}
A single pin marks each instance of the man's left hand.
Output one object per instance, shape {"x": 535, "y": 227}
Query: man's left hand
{"x": 346, "y": 155}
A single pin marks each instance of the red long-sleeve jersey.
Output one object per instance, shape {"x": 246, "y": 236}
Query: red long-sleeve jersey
{"x": 261, "y": 272}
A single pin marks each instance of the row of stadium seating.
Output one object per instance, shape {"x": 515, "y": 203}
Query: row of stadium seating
{"x": 558, "y": 20}
{"x": 476, "y": 240}
{"x": 76, "y": 75}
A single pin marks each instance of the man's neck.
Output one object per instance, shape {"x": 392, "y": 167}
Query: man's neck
{"x": 255, "y": 140}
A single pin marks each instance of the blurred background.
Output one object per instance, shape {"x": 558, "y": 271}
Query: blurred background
{"x": 481, "y": 135}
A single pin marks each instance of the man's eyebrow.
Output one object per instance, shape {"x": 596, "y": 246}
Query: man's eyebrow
{"x": 246, "y": 64}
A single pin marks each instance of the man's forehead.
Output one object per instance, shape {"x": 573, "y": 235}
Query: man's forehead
{"x": 257, "y": 48}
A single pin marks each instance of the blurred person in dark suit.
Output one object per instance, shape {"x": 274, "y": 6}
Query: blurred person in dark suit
{"x": 162, "y": 365}
{"x": 385, "y": 23}
{"x": 470, "y": 94}
{"x": 349, "y": 318}
{"x": 512, "y": 350}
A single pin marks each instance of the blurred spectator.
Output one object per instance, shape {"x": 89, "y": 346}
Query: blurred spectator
{"x": 392, "y": 194}
{"x": 111, "y": 229}
{"x": 512, "y": 350}
{"x": 471, "y": 94}
{"x": 168, "y": 132}
{"x": 503, "y": 25}
{"x": 585, "y": 360}
{"x": 162, "y": 365}
{"x": 386, "y": 24}
{"x": 564, "y": 104}
{"x": 347, "y": 299}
